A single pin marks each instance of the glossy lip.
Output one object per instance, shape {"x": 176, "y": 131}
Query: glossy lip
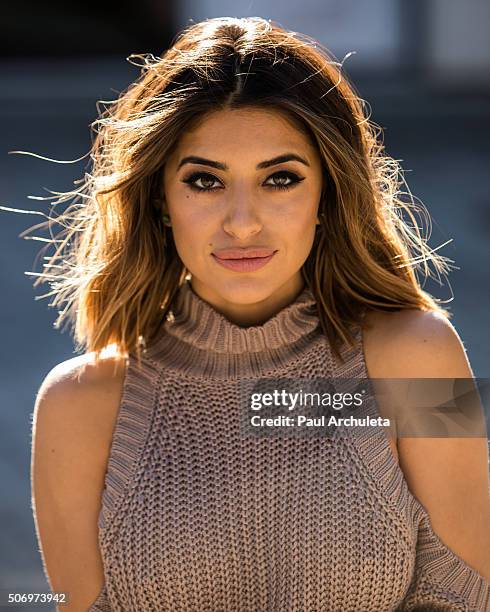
{"x": 245, "y": 262}
{"x": 241, "y": 253}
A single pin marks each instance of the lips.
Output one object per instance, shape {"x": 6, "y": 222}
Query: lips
{"x": 243, "y": 260}
{"x": 243, "y": 253}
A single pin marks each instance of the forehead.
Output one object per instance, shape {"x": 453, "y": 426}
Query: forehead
{"x": 229, "y": 130}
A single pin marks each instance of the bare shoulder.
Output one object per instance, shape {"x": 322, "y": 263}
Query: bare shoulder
{"x": 84, "y": 371}
{"x": 84, "y": 394}
{"x": 74, "y": 417}
{"x": 413, "y": 343}
{"x": 442, "y": 473}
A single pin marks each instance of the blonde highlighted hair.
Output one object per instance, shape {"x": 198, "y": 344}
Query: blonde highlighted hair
{"x": 115, "y": 269}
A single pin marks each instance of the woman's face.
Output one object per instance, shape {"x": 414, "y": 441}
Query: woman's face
{"x": 226, "y": 187}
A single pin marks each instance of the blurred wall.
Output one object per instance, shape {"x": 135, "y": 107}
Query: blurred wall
{"x": 458, "y": 49}
{"x": 60, "y": 29}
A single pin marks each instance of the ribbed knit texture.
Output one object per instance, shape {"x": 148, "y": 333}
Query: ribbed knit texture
{"x": 196, "y": 516}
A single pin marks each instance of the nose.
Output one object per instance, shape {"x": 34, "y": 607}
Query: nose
{"x": 241, "y": 220}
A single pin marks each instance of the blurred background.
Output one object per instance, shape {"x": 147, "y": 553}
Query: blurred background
{"x": 422, "y": 65}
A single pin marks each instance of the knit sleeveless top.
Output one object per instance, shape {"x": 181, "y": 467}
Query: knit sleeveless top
{"x": 196, "y": 516}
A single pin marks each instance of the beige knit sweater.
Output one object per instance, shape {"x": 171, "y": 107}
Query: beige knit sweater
{"x": 196, "y": 516}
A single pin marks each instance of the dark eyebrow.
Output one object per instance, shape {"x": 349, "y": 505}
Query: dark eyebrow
{"x": 280, "y": 159}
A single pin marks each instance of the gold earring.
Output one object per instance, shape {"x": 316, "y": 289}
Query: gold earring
{"x": 166, "y": 219}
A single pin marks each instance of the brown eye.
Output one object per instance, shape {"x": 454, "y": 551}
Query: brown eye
{"x": 205, "y": 178}
{"x": 286, "y": 180}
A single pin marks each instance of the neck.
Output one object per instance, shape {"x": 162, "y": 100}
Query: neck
{"x": 255, "y": 313}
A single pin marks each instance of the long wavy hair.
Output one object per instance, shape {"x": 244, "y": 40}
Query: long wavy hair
{"x": 115, "y": 269}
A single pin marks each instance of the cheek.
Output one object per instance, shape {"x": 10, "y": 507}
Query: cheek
{"x": 296, "y": 219}
{"x": 298, "y": 226}
{"x": 192, "y": 229}
{"x": 187, "y": 215}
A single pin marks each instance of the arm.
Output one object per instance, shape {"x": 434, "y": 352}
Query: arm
{"x": 74, "y": 416}
{"x": 448, "y": 476}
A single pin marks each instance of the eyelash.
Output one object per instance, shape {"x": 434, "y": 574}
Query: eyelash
{"x": 283, "y": 173}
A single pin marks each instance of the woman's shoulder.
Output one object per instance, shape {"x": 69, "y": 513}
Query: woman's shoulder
{"x": 85, "y": 371}
{"x": 75, "y": 412}
{"x": 413, "y": 343}
{"x": 79, "y": 398}
{"x": 442, "y": 473}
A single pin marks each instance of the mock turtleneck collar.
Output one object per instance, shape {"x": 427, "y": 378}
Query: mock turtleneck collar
{"x": 198, "y": 340}
{"x": 195, "y": 321}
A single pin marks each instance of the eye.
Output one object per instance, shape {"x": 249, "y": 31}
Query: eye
{"x": 285, "y": 176}
{"x": 286, "y": 181}
{"x": 205, "y": 177}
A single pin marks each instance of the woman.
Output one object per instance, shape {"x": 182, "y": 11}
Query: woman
{"x": 241, "y": 222}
